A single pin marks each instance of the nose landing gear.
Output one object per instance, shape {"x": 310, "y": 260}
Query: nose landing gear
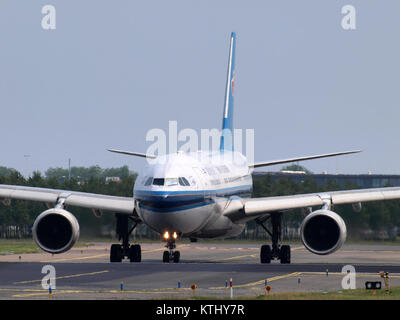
{"x": 170, "y": 254}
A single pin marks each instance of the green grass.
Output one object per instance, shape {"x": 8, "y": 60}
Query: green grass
{"x": 15, "y": 246}
{"x": 357, "y": 294}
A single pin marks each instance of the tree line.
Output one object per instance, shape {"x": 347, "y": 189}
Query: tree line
{"x": 376, "y": 220}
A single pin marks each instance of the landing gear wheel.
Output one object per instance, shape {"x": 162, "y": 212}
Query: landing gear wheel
{"x": 276, "y": 251}
{"x": 285, "y": 254}
{"x": 165, "y": 257}
{"x": 139, "y": 253}
{"x": 116, "y": 253}
{"x": 170, "y": 254}
{"x": 265, "y": 254}
{"x": 123, "y": 231}
{"x": 177, "y": 255}
{"x": 135, "y": 253}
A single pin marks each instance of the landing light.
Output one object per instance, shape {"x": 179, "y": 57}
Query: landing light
{"x": 166, "y": 235}
{"x": 175, "y": 235}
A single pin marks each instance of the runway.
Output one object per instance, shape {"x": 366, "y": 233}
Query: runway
{"x": 85, "y": 273}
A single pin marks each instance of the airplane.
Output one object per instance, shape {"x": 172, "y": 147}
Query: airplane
{"x": 187, "y": 196}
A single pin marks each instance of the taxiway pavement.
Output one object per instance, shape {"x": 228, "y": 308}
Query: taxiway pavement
{"x": 86, "y": 273}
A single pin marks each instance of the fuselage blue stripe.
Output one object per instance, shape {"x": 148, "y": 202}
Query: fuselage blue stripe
{"x": 165, "y": 201}
{"x": 182, "y": 207}
{"x": 179, "y": 208}
{"x": 181, "y": 192}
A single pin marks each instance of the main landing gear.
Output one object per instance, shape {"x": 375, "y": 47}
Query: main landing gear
{"x": 277, "y": 251}
{"x": 170, "y": 254}
{"x": 118, "y": 251}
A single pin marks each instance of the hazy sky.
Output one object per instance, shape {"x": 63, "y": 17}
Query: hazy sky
{"x": 112, "y": 70}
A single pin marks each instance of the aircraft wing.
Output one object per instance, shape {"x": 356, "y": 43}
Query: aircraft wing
{"x": 73, "y": 198}
{"x": 318, "y": 156}
{"x": 130, "y": 153}
{"x": 255, "y": 207}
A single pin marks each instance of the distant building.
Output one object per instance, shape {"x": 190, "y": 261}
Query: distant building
{"x": 361, "y": 180}
{"x": 113, "y": 179}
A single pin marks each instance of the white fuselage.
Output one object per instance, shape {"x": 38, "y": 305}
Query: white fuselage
{"x": 188, "y": 192}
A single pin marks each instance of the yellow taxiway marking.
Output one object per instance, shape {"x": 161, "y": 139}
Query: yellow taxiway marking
{"x": 66, "y": 277}
{"x": 296, "y": 274}
{"x": 58, "y": 292}
{"x": 358, "y": 274}
{"x": 20, "y": 290}
{"x": 78, "y": 258}
{"x": 297, "y": 248}
{"x": 24, "y": 295}
{"x": 236, "y": 257}
{"x": 155, "y": 250}
{"x": 92, "y": 257}
{"x": 293, "y": 274}
{"x": 369, "y": 251}
{"x": 249, "y": 255}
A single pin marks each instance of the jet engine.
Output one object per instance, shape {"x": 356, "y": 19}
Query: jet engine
{"x": 323, "y": 232}
{"x": 55, "y": 230}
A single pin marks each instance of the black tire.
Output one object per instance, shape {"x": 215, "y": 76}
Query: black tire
{"x": 116, "y": 253}
{"x": 139, "y": 253}
{"x": 177, "y": 256}
{"x": 265, "y": 254}
{"x": 165, "y": 257}
{"x": 285, "y": 254}
{"x": 135, "y": 253}
{"x": 132, "y": 254}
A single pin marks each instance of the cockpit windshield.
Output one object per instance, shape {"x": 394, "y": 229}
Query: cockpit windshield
{"x": 148, "y": 181}
{"x": 169, "y": 182}
{"x": 183, "y": 181}
{"x": 158, "y": 181}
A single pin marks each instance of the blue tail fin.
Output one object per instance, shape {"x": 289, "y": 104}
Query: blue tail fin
{"x": 227, "y": 122}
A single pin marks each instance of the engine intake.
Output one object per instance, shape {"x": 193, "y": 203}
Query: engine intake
{"x": 55, "y": 230}
{"x": 323, "y": 232}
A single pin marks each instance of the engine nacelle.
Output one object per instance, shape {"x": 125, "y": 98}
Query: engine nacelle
{"x": 323, "y": 232}
{"x": 55, "y": 230}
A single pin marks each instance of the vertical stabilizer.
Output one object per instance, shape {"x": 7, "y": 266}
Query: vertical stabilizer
{"x": 227, "y": 121}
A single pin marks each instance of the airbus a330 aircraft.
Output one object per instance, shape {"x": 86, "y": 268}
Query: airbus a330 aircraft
{"x": 186, "y": 195}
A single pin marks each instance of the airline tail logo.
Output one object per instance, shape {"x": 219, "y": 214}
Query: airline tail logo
{"x": 233, "y": 82}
